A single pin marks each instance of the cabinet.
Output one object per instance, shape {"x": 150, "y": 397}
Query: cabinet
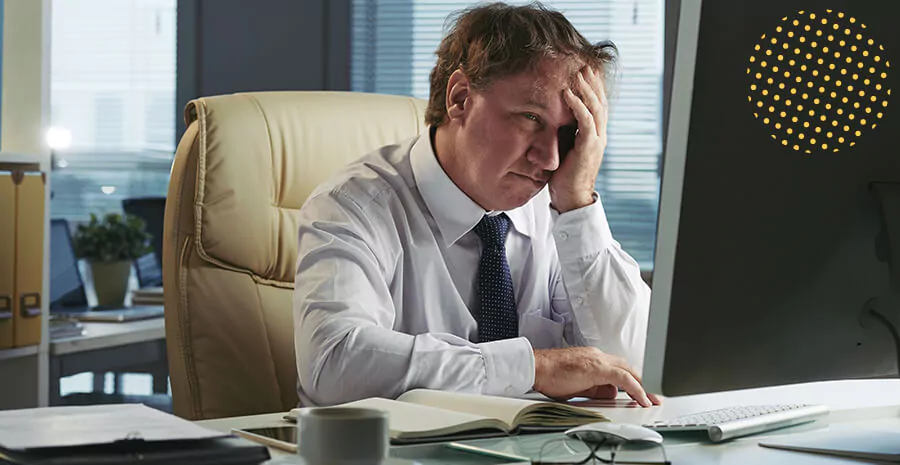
{"x": 24, "y": 280}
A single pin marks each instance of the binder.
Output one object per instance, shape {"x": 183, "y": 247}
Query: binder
{"x": 7, "y": 257}
{"x": 29, "y": 272}
{"x": 215, "y": 451}
{"x": 117, "y": 434}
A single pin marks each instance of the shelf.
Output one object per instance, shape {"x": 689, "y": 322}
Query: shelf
{"x": 12, "y": 157}
{"x": 17, "y": 352}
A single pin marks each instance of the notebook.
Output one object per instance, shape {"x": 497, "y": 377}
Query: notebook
{"x": 424, "y": 415}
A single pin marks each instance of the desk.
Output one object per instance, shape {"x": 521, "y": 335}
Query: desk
{"x": 138, "y": 345}
{"x": 855, "y": 405}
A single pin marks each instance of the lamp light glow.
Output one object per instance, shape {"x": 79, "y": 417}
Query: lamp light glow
{"x": 59, "y": 138}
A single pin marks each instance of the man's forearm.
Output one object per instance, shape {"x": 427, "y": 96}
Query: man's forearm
{"x": 371, "y": 361}
{"x": 605, "y": 291}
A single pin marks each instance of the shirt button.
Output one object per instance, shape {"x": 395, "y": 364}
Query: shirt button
{"x": 579, "y": 301}
{"x": 563, "y": 235}
{"x": 510, "y": 390}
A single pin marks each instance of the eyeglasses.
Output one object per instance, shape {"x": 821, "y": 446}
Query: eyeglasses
{"x": 617, "y": 453}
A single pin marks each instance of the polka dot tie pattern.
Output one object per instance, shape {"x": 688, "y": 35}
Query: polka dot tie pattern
{"x": 497, "y": 317}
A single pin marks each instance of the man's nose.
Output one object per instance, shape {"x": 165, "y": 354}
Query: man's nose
{"x": 544, "y": 151}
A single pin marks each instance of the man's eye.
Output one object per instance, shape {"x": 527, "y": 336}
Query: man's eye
{"x": 532, "y": 117}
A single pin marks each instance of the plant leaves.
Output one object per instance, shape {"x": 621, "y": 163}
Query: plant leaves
{"x": 111, "y": 239}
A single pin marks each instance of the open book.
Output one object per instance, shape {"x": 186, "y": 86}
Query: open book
{"x": 424, "y": 415}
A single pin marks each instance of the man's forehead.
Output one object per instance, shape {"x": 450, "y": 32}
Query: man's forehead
{"x": 547, "y": 81}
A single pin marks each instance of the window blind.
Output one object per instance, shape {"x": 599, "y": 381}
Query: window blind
{"x": 392, "y": 51}
{"x": 112, "y": 85}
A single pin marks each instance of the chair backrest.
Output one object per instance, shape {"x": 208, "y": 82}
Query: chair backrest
{"x": 242, "y": 170}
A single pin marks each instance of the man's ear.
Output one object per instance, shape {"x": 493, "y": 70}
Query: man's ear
{"x": 458, "y": 91}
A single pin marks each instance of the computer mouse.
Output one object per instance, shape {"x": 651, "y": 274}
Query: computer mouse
{"x": 613, "y": 433}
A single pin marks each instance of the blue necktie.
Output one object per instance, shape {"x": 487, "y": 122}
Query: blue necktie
{"x": 497, "y": 317}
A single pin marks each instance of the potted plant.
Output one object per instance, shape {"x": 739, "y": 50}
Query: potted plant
{"x": 109, "y": 246}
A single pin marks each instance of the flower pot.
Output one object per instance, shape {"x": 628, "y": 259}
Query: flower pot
{"x": 111, "y": 282}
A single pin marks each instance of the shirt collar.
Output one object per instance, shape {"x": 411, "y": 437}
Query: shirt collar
{"x": 453, "y": 211}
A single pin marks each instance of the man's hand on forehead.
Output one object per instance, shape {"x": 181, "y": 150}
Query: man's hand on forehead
{"x": 572, "y": 185}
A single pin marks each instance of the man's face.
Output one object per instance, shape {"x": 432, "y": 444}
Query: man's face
{"x": 511, "y": 134}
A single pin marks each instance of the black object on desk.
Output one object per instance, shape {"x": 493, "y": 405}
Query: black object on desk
{"x": 225, "y": 450}
{"x": 153, "y": 211}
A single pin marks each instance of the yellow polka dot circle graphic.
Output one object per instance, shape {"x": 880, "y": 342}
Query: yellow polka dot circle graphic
{"x": 818, "y": 82}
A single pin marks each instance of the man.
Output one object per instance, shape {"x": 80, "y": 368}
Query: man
{"x": 477, "y": 257}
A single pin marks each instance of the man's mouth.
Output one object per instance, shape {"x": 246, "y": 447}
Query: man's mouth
{"x": 537, "y": 181}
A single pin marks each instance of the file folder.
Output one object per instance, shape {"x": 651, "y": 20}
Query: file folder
{"x": 7, "y": 257}
{"x": 117, "y": 434}
{"x": 29, "y": 268}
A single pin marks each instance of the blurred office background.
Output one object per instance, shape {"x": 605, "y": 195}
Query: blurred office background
{"x": 122, "y": 70}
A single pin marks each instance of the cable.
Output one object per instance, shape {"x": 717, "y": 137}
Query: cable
{"x": 891, "y": 329}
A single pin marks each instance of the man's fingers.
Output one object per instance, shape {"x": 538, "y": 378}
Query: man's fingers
{"x": 620, "y": 362}
{"x": 604, "y": 391}
{"x": 599, "y": 86}
{"x": 590, "y": 97}
{"x": 623, "y": 379}
{"x": 596, "y": 81}
{"x": 582, "y": 113}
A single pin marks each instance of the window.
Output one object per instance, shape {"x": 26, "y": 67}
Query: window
{"x": 393, "y": 48}
{"x": 112, "y": 86}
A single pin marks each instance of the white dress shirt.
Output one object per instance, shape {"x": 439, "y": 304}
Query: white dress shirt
{"x": 386, "y": 278}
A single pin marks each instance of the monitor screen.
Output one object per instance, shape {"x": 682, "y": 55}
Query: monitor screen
{"x": 152, "y": 210}
{"x": 65, "y": 281}
{"x": 779, "y": 198}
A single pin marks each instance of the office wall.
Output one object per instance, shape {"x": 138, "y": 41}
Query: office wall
{"x": 25, "y": 95}
{"x": 227, "y": 46}
{"x": 1, "y": 68}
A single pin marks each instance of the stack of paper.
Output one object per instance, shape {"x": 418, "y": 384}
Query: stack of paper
{"x": 147, "y": 296}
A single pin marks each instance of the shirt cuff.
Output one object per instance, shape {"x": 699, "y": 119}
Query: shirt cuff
{"x": 509, "y": 367}
{"x": 583, "y": 232}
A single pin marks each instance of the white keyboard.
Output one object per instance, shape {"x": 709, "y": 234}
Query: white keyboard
{"x": 732, "y": 422}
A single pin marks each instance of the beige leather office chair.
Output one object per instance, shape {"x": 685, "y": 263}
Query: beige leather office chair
{"x": 242, "y": 170}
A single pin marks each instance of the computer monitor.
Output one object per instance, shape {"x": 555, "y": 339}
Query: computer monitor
{"x": 778, "y": 258}
{"x": 66, "y": 286}
{"x": 152, "y": 210}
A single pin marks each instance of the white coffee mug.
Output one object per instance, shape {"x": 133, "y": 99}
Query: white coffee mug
{"x": 343, "y": 436}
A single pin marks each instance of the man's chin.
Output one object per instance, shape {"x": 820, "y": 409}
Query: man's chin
{"x": 515, "y": 199}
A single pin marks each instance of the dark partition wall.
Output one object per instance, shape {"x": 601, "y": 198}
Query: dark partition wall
{"x": 227, "y": 46}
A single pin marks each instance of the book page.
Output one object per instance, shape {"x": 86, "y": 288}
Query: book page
{"x": 411, "y": 420}
{"x": 504, "y": 409}
{"x": 513, "y": 412}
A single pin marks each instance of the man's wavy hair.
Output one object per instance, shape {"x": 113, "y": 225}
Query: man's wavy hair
{"x": 496, "y": 40}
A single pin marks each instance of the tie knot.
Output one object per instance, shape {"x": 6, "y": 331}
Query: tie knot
{"x": 492, "y": 230}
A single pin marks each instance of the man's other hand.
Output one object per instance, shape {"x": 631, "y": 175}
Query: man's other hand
{"x": 586, "y": 372}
